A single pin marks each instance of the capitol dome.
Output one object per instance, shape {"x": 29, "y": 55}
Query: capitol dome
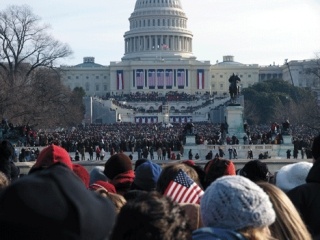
{"x": 158, "y": 30}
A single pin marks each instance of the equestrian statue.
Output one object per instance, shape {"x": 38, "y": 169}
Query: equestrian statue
{"x": 234, "y": 88}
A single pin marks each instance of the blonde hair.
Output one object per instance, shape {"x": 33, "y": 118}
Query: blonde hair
{"x": 261, "y": 233}
{"x": 170, "y": 171}
{"x": 4, "y": 181}
{"x": 117, "y": 199}
{"x": 288, "y": 224}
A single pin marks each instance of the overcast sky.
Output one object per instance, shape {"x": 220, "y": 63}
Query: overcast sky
{"x": 253, "y": 31}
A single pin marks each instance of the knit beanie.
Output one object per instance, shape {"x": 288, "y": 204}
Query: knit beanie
{"x": 316, "y": 148}
{"x": 97, "y": 174}
{"x": 82, "y": 173}
{"x": 255, "y": 170}
{"x": 292, "y": 175}
{"x": 118, "y": 170}
{"x": 103, "y": 184}
{"x": 235, "y": 202}
{"x": 51, "y": 155}
{"x": 146, "y": 176}
{"x": 117, "y": 164}
{"x": 220, "y": 165}
{"x": 139, "y": 162}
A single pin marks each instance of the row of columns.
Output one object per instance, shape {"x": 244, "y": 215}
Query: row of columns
{"x": 158, "y": 42}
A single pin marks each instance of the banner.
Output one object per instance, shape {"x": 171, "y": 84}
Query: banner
{"x": 181, "y": 76}
{"x": 145, "y": 120}
{"x": 169, "y": 78}
{"x": 160, "y": 78}
{"x": 200, "y": 78}
{"x": 140, "y": 78}
{"x": 151, "y": 78}
{"x": 120, "y": 85}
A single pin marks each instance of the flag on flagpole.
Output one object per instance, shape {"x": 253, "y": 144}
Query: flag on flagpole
{"x": 165, "y": 46}
{"x": 183, "y": 189}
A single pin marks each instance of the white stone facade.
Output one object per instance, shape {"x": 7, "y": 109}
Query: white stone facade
{"x": 158, "y": 57}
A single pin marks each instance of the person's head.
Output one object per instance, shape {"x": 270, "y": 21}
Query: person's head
{"x": 146, "y": 176}
{"x": 82, "y": 173}
{"x": 315, "y": 150}
{"x": 51, "y": 204}
{"x": 200, "y": 172}
{"x": 139, "y": 162}
{"x": 102, "y": 185}
{"x": 288, "y": 224}
{"x": 118, "y": 200}
{"x": 96, "y": 174}
{"x": 216, "y": 168}
{"x": 4, "y": 181}
{"x": 292, "y": 175}
{"x": 169, "y": 172}
{"x": 7, "y": 157}
{"x": 119, "y": 172}
{"x": 50, "y": 156}
{"x": 238, "y": 204}
{"x": 255, "y": 170}
{"x": 151, "y": 216}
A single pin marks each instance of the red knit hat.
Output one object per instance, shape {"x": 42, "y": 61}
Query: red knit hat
{"x": 102, "y": 184}
{"x": 82, "y": 173}
{"x": 51, "y": 155}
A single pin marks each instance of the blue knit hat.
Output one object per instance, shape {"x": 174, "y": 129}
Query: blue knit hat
{"x": 147, "y": 175}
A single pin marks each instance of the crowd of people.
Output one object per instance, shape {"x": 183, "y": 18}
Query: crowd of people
{"x": 158, "y": 97}
{"x": 60, "y": 199}
{"x": 132, "y": 137}
{"x": 147, "y": 139}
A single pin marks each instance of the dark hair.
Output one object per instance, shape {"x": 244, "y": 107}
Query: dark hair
{"x": 316, "y": 148}
{"x": 151, "y": 216}
{"x": 7, "y": 156}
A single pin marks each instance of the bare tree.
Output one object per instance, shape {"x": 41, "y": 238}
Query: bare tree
{"x": 28, "y": 54}
{"x": 26, "y": 44}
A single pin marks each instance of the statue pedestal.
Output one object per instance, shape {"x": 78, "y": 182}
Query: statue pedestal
{"x": 190, "y": 140}
{"x": 234, "y": 118}
{"x": 287, "y": 139}
{"x": 286, "y": 145}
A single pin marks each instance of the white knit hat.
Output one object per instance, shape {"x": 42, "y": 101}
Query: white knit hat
{"x": 292, "y": 175}
{"x": 235, "y": 202}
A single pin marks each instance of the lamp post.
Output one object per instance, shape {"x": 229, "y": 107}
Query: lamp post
{"x": 294, "y": 90}
{"x": 287, "y": 63}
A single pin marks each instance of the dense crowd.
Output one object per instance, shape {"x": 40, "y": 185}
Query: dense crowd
{"x": 61, "y": 199}
{"x": 130, "y": 137}
{"x": 158, "y": 97}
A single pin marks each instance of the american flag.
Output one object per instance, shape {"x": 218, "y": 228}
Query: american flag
{"x": 181, "y": 78}
{"x": 169, "y": 78}
{"x": 160, "y": 78}
{"x": 152, "y": 78}
{"x": 140, "y": 78}
{"x": 165, "y": 46}
{"x": 183, "y": 189}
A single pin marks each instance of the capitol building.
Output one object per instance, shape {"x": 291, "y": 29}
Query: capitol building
{"x": 158, "y": 57}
